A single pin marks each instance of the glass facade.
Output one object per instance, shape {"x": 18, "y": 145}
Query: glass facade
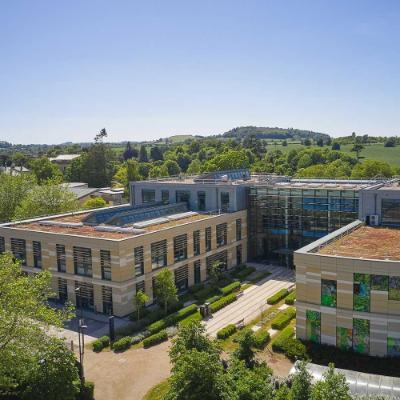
{"x": 313, "y": 326}
{"x": 391, "y": 212}
{"x": 328, "y": 293}
{"x": 282, "y": 220}
{"x": 361, "y": 335}
{"x": 361, "y": 292}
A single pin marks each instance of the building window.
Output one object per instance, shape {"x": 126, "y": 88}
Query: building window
{"x": 182, "y": 196}
{"x": 139, "y": 260}
{"x": 380, "y": 282}
{"x": 344, "y": 338}
{"x": 37, "y": 254}
{"x": 201, "y": 201}
{"x": 208, "y": 238}
{"x": 140, "y": 286}
{"x": 165, "y": 196}
{"x": 224, "y": 201}
{"x": 313, "y": 326}
{"x": 107, "y": 300}
{"x": 361, "y": 292}
{"x": 239, "y": 229}
{"x": 221, "y": 257}
{"x": 196, "y": 243}
{"x": 82, "y": 261}
{"x": 61, "y": 258}
{"x": 238, "y": 254}
{"x": 181, "y": 278}
{"x": 222, "y": 232}
{"x": 18, "y": 249}
{"x": 84, "y": 296}
{"x": 159, "y": 254}
{"x": 62, "y": 290}
{"x": 148, "y": 196}
{"x": 394, "y": 288}
{"x": 361, "y": 335}
{"x": 197, "y": 273}
{"x": 328, "y": 293}
{"x": 105, "y": 262}
{"x": 393, "y": 347}
{"x": 2, "y": 244}
{"x": 391, "y": 212}
{"x": 180, "y": 247}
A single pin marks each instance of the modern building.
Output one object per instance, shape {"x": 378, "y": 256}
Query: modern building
{"x": 82, "y": 191}
{"x": 63, "y": 160}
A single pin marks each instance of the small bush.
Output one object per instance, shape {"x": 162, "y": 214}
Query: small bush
{"x": 278, "y": 343}
{"x": 224, "y": 333}
{"x": 234, "y": 286}
{"x": 223, "y": 302}
{"x": 99, "y": 344}
{"x": 155, "y": 339}
{"x": 278, "y": 296}
{"x": 213, "y": 299}
{"x": 261, "y": 339}
{"x": 204, "y": 293}
{"x": 242, "y": 271}
{"x": 283, "y": 318}
{"x": 86, "y": 391}
{"x": 122, "y": 344}
{"x": 138, "y": 338}
{"x": 195, "y": 288}
{"x": 194, "y": 317}
{"x": 294, "y": 349}
{"x": 291, "y": 298}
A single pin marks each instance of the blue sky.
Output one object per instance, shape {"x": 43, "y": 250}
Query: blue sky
{"x": 151, "y": 69}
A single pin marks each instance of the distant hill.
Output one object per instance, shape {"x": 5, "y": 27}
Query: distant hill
{"x": 274, "y": 133}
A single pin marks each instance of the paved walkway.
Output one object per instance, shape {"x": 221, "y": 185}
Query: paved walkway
{"x": 253, "y": 301}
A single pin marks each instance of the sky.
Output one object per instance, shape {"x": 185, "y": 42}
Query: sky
{"x": 151, "y": 69}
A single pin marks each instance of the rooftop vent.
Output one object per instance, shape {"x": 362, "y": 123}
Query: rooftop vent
{"x": 117, "y": 229}
{"x": 62, "y": 224}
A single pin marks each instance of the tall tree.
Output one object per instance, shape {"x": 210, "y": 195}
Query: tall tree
{"x": 143, "y": 154}
{"x": 245, "y": 351}
{"x": 129, "y": 152}
{"x": 165, "y": 288}
{"x": 140, "y": 300}
{"x": 301, "y": 383}
{"x": 44, "y": 169}
{"x": 357, "y": 149}
{"x": 156, "y": 154}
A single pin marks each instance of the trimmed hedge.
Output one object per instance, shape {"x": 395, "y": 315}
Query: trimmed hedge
{"x": 224, "y": 333}
{"x": 278, "y": 296}
{"x": 279, "y": 342}
{"x": 283, "y": 318}
{"x": 233, "y": 287}
{"x": 213, "y": 299}
{"x": 223, "y": 302}
{"x": 100, "y": 343}
{"x": 155, "y": 339}
{"x": 194, "y": 317}
{"x": 204, "y": 293}
{"x": 261, "y": 339}
{"x": 242, "y": 272}
{"x": 291, "y": 298}
{"x": 122, "y": 344}
{"x": 196, "y": 288}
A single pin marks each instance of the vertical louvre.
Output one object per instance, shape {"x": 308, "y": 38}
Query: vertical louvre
{"x": 37, "y": 254}
{"x": 83, "y": 261}
{"x": 239, "y": 229}
{"x": 153, "y": 288}
{"x": 18, "y": 249}
{"x": 222, "y": 230}
{"x": 224, "y": 201}
{"x": 182, "y": 278}
{"x": 2, "y": 244}
{"x": 165, "y": 196}
{"x": 197, "y": 273}
{"x": 105, "y": 262}
{"x": 159, "y": 254}
{"x": 208, "y": 238}
{"x": 107, "y": 300}
{"x": 180, "y": 247}
{"x": 61, "y": 258}
{"x": 62, "y": 290}
{"x": 140, "y": 286}
{"x": 196, "y": 243}
{"x": 84, "y": 297}
{"x": 139, "y": 260}
{"x": 222, "y": 257}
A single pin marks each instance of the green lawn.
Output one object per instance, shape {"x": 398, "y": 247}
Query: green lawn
{"x": 158, "y": 392}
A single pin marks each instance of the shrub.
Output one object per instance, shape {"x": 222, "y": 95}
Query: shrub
{"x": 122, "y": 344}
{"x": 223, "y": 302}
{"x": 294, "y": 349}
{"x": 204, "y": 293}
{"x": 138, "y": 338}
{"x": 86, "y": 391}
{"x": 226, "y": 332}
{"x": 99, "y": 344}
{"x": 242, "y": 271}
{"x": 278, "y": 296}
{"x": 261, "y": 339}
{"x": 213, "y": 299}
{"x": 194, "y": 317}
{"x": 283, "y": 318}
{"x": 172, "y": 319}
{"x": 291, "y": 298}
{"x": 195, "y": 288}
{"x": 155, "y": 339}
{"x": 234, "y": 286}
{"x": 278, "y": 343}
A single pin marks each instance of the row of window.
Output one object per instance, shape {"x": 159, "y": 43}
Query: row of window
{"x": 362, "y": 286}
{"x": 149, "y": 196}
{"x": 356, "y": 338}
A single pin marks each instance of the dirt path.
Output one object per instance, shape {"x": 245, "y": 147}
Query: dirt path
{"x": 128, "y": 375}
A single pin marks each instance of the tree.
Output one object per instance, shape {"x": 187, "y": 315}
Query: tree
{"x": 371, "y": 169}
{"x": 333, "y": 387}
{"x": 335, "y": 146}
{"x": 143, "y": 154}
{"x": 19, "y": 159}
{"x": 140, "y": 300}
{"x": 284, "y": 143}
{"x": 245, "y": 351}
{"x": 215, "y": 272}
{"x": 357, "y": 149}
{"x": 165, "y": 288}
{"x": 307, "y": 142}
{"x": 320, "y": 142}
{"x": 95, "y": 202}
{"x": 129, "y": 152}
{"x": 231, "y": 159}
{"x": 194, "y": 167}
{"x": 390, "y": 142}
{"x": 156, "y": 154}
{"x": 172, "y": 167}
{"x": 49, "y": 198}
{"x": 301, "y": 383}
{"x": 44, "y": 169}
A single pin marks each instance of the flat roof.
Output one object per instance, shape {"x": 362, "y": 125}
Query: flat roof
{"x": 369, "y": 242}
